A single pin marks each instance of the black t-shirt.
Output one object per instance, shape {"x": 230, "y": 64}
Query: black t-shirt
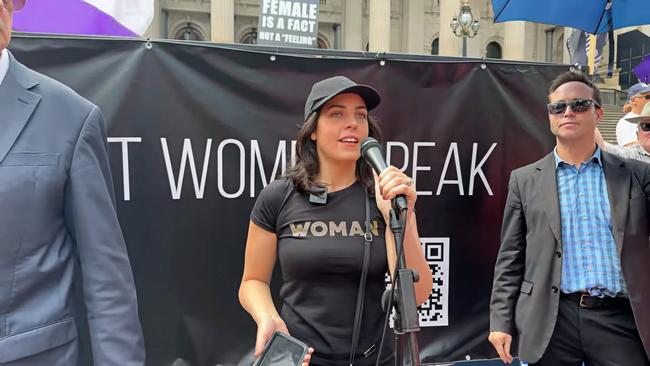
{"x": 320, "y": 249}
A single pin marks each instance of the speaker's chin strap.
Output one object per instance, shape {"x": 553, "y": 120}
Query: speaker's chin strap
{"x": 358, "y": 315}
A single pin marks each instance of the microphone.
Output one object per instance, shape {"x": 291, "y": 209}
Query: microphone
{"x": 372, "y": 153}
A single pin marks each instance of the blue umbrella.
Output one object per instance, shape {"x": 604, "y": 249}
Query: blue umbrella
{"x": 593, "y": 16}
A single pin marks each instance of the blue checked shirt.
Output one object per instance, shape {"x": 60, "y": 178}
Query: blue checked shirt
{"x": 590, "y": 259}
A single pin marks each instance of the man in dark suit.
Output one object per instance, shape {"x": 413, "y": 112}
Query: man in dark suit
{"x": 58, "y": 207}
{"x": 572, "y": 274}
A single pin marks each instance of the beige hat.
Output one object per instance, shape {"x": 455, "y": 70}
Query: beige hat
{"x": 643, "y": 117}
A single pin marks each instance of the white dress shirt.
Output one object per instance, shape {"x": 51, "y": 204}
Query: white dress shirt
{"x": 626, "y": 131}
{"x": 4, "y": 64}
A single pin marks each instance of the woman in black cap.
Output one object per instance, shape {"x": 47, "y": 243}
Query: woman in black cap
{"x": 315, "y": 220}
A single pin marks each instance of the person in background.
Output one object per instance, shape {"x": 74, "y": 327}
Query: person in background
{"x": 571, "y": 276}
{"x": 58, "y": 209}
{"x": 639, "y": 151}
{"x": 637, "y": 97}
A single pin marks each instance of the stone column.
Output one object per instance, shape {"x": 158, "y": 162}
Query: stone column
{"x": 566, "y": 57}
{"x": 155, "y": 28}
{"x": 222, "y": 21}
{"x": 414, "y": 25}
{"x": 379, "y": 25}
{"x": 514, "y": 41}
{"x": 353, "y": 26}
{"x": 448, "y": 43}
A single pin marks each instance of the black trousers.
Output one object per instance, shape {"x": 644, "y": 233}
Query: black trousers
{"x": 597, "y": 337}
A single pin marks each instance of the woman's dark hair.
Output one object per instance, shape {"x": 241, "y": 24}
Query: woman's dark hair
{"x": 303, "y": 172}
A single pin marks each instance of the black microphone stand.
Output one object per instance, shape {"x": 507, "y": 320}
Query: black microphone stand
{"x": 401, "y": 298}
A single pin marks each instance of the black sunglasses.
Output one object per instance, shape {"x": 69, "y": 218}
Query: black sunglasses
{"x": 577, "y": 105}
{"x": 647, "y": 96}
{"x": 644, "y": 126}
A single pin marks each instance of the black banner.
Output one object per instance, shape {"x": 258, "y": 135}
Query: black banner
{"x": 196, "y": 131}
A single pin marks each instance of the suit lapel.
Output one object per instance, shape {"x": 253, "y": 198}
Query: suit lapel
{"x": 17, "y": 104}
{"x": 548, "y": 188}
{"x": 618, "y": 189}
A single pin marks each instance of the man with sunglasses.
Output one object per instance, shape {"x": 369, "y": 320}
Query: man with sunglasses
{"x": 58, "y": 215}
{"x": 639, "y": 151}
{"x": 637, "y": 97}
{"x": 571, "y": 277}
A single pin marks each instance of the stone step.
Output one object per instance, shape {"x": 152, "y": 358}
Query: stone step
{"x": 607, "y": 127}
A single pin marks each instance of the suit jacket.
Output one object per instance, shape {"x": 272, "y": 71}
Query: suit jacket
{"x": 528, "y": 271}
{"x": 58, "y": 207}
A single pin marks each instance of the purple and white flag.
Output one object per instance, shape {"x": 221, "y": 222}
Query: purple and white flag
{"x": 89, "y": 17}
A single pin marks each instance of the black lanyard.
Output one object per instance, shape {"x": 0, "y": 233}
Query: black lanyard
{"x": 367, "y": 238}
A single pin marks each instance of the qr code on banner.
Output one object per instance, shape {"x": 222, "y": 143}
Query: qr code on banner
{"x": 435, "y": 312}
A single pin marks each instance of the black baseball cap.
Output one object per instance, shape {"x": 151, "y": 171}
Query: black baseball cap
{"x": 327, "y": 89}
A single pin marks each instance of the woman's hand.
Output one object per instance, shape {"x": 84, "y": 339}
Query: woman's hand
{"x": 265, "y": 330}
{"x": 390, "y": 183}
{"x": 305, "y": 361}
